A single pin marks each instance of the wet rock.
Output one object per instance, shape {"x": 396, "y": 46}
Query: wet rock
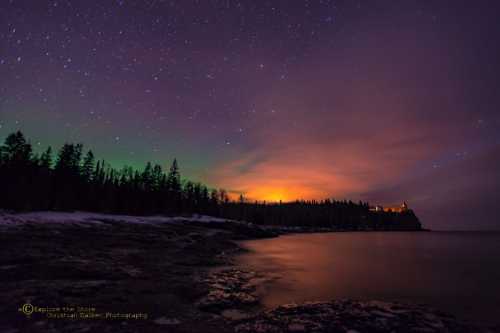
{"x": 353, "y": 316}
{"x": 167, "y": 321}
{"x": 233, "y": 314}
{"x": 228, "y": 288}
{"x": 296, "y": 328}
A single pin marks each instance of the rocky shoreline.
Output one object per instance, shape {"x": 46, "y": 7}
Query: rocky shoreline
{"x": 157, "y": 274}
{"x": 232, "y": 295}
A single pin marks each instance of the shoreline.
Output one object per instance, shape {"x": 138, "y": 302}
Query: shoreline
{"x": 180, "y": 272}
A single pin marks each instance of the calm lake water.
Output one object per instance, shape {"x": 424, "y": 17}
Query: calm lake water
{"x": 458, "y": 272}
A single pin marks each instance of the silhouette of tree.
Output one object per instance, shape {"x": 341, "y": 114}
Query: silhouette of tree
{"x": 88, "y": 166}
{"x": 17, "y": 172}
{"x": 16, "y": 151}
{"x": 174, "y": 188}
{"x": 32, "y": 182}
{"x": 46, "y": 158}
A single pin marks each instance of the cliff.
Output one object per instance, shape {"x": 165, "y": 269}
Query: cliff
{"x": 406, "y": 220}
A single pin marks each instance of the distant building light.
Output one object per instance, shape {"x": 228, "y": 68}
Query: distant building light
{"x": 391, "y": 209}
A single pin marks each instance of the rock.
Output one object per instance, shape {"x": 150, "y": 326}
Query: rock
{"x": 334, "y": 316}
{"x": 296, "y": 328}
{"x": 228, "y": 289}
{"x": 233, "y": 314}
{"x": 167, "y": 321}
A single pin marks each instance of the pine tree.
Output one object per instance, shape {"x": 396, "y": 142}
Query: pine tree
{"x": 64, "y": 157}
{"x": 16, "y": 151}
{"x": 174, "y": 178}
{"x": 174, "y": 188}
{"x": 46, "y": 158}
{"x": 88, "y": 166}
{"x": 214, "y": 197}
{"x": 17, "y": 172}
{"x": 224, "y": 198}
{"x": 156, "y": 176}
{"x": 147, "y": 177}
{"x": 76, "y": 158}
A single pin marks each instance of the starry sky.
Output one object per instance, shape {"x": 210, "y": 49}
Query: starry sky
{"x": 279, "y": 100}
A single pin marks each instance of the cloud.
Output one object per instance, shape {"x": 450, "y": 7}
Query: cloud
{"x": 315, "y": 170}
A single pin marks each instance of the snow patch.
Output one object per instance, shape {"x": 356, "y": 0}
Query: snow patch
{"x": 82, "y": 218}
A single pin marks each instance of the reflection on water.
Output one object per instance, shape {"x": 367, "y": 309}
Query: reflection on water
{"x": 458, "y": 272}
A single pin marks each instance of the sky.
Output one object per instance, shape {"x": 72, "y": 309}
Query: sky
{"x": 380, "y": 101}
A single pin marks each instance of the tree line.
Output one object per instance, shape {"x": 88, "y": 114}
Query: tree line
{"x": 72, "y": 179}
{"x": 328, "y": 213}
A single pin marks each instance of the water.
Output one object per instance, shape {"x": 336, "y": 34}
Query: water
{"x": 457, "y": 272}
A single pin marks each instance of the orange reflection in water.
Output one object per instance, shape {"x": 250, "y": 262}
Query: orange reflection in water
{"x": 426, "y": 268}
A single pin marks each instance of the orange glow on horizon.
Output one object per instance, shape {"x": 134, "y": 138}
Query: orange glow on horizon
{"x": 303, "y": 171}
{"x": 283, "y": 178}
{"x": 273, "y": 194}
